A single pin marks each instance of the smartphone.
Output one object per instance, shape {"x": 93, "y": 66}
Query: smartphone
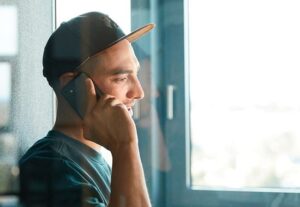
{"x": 75, "y": 93}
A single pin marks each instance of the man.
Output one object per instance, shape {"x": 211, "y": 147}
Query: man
{"x": 65, "y": 168}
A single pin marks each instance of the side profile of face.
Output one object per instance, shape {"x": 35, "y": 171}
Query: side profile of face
{"x": 114, "y": 71}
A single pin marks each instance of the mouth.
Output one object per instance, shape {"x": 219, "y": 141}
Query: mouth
{"x": 129, "y": 107}
{"x": 130, "y": 111}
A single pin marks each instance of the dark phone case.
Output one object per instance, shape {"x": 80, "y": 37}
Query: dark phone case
{"x": 75, "y": 94}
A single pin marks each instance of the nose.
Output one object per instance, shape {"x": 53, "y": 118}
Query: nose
{"x": 136, "y": 91}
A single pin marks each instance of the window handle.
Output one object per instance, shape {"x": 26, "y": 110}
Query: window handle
{"x": 170, "y": 102}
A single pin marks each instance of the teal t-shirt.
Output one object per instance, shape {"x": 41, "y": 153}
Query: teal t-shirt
{"x": 61, "y": 171}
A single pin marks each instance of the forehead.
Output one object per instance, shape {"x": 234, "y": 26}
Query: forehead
{"x": 119, "y": 56}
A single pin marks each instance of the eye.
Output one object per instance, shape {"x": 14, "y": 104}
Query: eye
{"x": 120, "y": 79}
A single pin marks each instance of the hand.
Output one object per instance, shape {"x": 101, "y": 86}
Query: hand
{"x": 107, "y": 121}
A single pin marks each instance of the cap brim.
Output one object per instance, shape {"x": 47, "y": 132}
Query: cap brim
{"x": 139, "y": 32}
{"x": 131, "y": 37}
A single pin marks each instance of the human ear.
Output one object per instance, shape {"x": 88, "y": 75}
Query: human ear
{"x": 65, "y": 78}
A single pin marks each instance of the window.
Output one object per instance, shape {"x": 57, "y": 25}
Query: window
{"x": 132, "y": 14}
{"x": 5, "y": 93}
{"x": 8, "y": 50}
{"x": 244, "y": 93}
{"x": 120, "y": 14}
{"x": 235, "y": 140}
{"x": 8, "y": 35}
{"x": 25, "y": 97}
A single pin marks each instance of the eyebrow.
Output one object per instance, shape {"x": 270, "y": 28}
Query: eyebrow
{"x": 122, "y": 71}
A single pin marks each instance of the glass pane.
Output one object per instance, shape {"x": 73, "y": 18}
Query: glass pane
{"x": 25, "y": 100}
{"x": 8, "y": 150}
{"x": 5, "y": 93}
{"x": 120, "y": 14}
{"x": 8, "y": 34}
{"x": 244, "y": 92}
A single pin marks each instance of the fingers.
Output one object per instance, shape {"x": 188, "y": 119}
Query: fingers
{"x": 110, "y": 101}
{"x": 91, "y": 95}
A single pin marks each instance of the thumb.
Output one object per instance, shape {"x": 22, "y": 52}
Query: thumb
{"x": 91, "y": 99}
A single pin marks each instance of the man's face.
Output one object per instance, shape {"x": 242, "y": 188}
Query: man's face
{"x": 114, "y": 71}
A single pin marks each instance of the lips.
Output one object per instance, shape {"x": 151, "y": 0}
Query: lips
{"x": 130, "y": 111}
{"x": 129, "y": 108}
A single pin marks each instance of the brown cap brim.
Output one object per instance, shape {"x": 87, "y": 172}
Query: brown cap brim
{"x": 139, "y": 32}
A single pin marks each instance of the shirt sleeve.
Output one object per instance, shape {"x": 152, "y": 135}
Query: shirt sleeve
{"x": 56, "y": 182}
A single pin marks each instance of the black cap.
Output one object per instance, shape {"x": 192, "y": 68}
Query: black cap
{"x": 76, "y": 40}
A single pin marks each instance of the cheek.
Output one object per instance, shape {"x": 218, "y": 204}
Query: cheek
{"x": 112, "y": 89}
{"x": 115, "y": 91}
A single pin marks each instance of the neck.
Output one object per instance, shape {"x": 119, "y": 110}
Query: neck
{"x": 71, "y": 125}
{"x": 73, "y": 131}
